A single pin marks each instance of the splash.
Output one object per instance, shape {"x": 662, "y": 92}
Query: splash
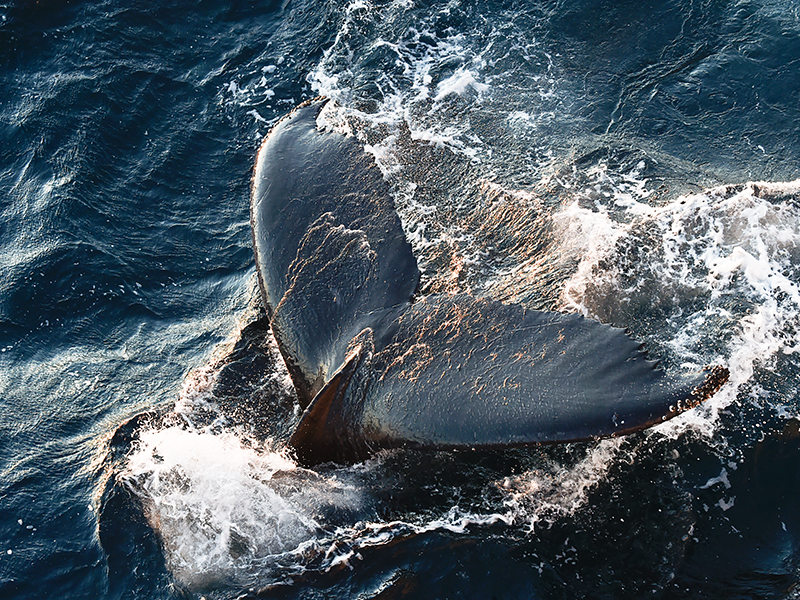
{"x": 533, "y": 499}
{"x": 433, "y": 83}
{"x": 228, "y": 511}
{"x": 717, "y": 268}
{"x": 546, "y": 495}
{"x": 430, "y": 71}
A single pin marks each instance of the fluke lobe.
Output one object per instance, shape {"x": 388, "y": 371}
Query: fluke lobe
{"x": 375, "y": 368}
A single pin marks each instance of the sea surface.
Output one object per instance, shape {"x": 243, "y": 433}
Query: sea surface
{"x": 637, "y": 162}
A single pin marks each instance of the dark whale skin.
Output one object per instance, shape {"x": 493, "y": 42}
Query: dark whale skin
{"x": 328, "y": 243}
{"x": 375, "y": 369}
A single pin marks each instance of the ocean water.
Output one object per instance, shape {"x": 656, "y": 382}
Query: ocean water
{"x": 637, "y": 162}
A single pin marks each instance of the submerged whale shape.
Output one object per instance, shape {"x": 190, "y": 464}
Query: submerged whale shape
{"x": 376, "y": 368}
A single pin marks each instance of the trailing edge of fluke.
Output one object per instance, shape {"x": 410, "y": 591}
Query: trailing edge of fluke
{"x": 376, "y": 368}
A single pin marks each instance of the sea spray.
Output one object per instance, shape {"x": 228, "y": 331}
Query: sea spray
{"x": 718, "y": 267}
{"x": 227, "y": 510}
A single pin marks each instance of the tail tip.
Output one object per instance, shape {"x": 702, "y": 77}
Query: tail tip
{"x": 716, "y": 378}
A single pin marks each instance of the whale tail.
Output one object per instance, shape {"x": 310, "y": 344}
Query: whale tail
{"x": 374, "y": 369}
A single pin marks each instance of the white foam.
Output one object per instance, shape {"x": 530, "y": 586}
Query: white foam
{"x": 460, "y": 82}
{"x": 721, "y": 478}
{"x": 254, "y": 89}
{"x": 232, "y": 512}
{"x": 531, "y": 499}
{"x": 220, "y": 507}
{"x": 196, "y": 390}
{"x": 543, "y": 497}
{"x": 733, "y": 247}
{"x": 416, "y": 92}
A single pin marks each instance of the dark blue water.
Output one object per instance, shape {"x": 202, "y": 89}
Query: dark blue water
{"x": 634, "y": 161}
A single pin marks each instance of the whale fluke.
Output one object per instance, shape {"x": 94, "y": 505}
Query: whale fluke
{"x": 375, "y": 368}
{"x": 328, "y": 243}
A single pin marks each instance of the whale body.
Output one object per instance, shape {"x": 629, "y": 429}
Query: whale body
{"x": 375, "y": 367}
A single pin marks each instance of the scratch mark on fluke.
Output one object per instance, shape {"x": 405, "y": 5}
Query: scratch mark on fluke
{"x": 375, "y": 368}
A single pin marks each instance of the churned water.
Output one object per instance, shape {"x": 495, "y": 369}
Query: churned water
{"x": 636, "y": 162}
